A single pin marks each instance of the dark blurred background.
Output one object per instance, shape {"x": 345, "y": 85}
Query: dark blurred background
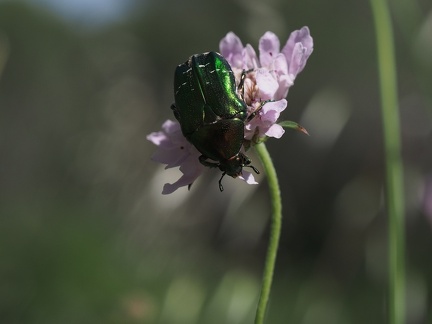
{"x": 87, "y": 237}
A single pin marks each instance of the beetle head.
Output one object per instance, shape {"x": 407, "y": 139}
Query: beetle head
{"x": 234, "y": 167}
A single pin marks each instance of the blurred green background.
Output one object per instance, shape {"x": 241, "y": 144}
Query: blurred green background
{"x": 86, "y": 236}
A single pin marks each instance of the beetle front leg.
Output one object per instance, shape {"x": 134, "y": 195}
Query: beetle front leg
{"x": 256, "y": 111}
{"x": 203, "y": 161}
{"x": 240, "y": 88}
{"x": 221, "y": 188}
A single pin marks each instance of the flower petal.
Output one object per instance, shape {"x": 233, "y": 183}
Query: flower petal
{"x": 160, "y": 138}
{"x": 265, "y": 120}
{"x": 298, "y": 60}
{"x": 277, "y": 106}
{"x": 231, "y": 48}
{"x": 267, "y": 84}
{"x": 301, "y": 36}
{"x": 279, "y": 64}
{"x": 275, "y": 131}
{"x": 247, "y": 177}
{"x": 285, "y": 81}
{"x": 269, "y": 47}
{"x": 157, "y": 138}
{"x": 191, "y": 170}
{"x": 250, "y": 59}
{"x": 173, "y": 148}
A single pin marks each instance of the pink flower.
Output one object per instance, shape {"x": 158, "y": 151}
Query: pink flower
{"x": 266, "y": 84}
{"x": 175, "y": 150}
{"x": 273, "y": 74}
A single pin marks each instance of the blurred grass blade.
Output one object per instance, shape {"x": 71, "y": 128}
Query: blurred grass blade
{"x": 4, "y": 52}
{"x": 393, "y": 162}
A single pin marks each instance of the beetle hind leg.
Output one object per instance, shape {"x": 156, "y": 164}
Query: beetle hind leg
{"x": 175, "y": 111}
{"x": 203, "y": 161}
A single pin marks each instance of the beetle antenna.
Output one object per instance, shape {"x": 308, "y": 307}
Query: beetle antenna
{"x": 221, "y": 188}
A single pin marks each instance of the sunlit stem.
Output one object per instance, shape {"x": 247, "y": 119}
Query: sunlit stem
{"x": 275, "y": 229}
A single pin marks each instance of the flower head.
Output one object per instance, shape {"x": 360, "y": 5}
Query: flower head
{"x": 266, "y": 80}
{"x": 273, "y": 73}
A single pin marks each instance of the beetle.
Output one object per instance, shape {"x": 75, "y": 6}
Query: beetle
{"x": 211, "y": 114}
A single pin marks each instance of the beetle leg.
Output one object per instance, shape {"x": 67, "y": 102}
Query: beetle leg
{"x": 240, "y": 88}
{"x": 253, "y": 168}
{"x": 256, "y": 111}
{"x": 175, "y": 111}
{"x": 203, "y": 161}
{"x": 221, "y": 188}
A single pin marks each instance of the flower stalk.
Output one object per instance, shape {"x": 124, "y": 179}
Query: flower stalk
{"x": 275, "y": 230}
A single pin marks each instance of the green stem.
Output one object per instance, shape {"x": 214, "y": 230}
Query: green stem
{"x": 276, "y": 224}
{"x": 394, "y": 172}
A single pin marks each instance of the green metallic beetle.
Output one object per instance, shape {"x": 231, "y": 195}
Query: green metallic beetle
{"x": 211, "y": 114}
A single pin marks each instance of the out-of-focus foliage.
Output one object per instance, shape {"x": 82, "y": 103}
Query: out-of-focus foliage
{"x": 86, "y": 237}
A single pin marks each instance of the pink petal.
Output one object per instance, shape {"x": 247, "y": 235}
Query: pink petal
{"x": 156, "y": 137}
{"x": 301, "y": 36}
{"x": 231, "y": 48}
{"x": 269, "y": 47}
{"x": 280, "y": 68}
{"x": 191, "y": 169}
{"x": 277, "y": 106}
{"x": 265, "y": 120}
{"x": 170, "y": 126}
{"x": 297, "y": 60}
{"x": 172, "y": 146}
{"x": 285, "y": 82}
{"x": 162, "y": 137}
{"x": 275, "y": 131}
{"x": 280, "y": 65}
{"x": 250, "y": 59}
{"x": 171, "y": 158}
{"x": 267, "y": 84}
{"x": 248, "y": 177}
{"x": 173, "y": 149}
